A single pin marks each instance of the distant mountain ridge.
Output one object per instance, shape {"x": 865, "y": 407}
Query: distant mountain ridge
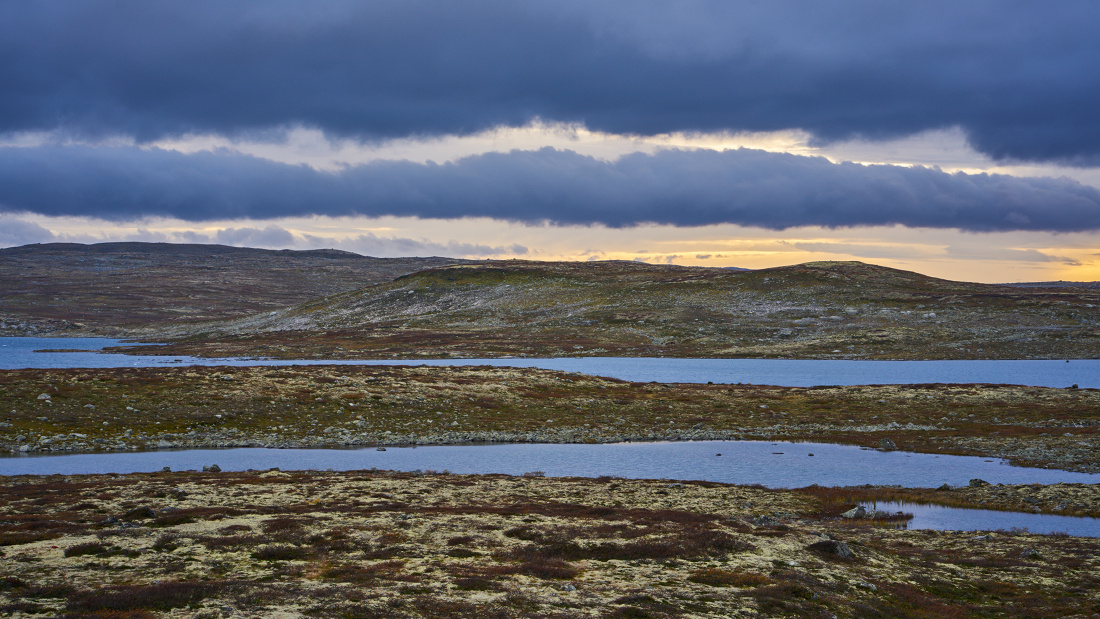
{"x": 111, "y": 287}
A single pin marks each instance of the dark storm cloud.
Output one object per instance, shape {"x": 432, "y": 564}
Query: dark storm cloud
{"x": 682, "y": 188}
{"x": 1021, "y": 78}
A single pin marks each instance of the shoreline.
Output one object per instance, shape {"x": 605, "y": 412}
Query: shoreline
{"x": 128, "y": 409}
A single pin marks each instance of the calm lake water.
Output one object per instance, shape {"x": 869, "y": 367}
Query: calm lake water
{"x": 777, "y": 465}
{"x": 18, "y": 352}
{"x": 955, "y": 519}
{"x": 773, "y": 464}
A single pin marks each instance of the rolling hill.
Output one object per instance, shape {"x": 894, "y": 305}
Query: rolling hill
{"x": 813, "y": 310}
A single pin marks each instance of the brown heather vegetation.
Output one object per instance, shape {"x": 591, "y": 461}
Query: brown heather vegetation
{"x": 378, "y": 544}
{"x": 372, "y": 544}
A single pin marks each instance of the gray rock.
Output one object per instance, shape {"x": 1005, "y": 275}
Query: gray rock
{"x": 978, "y": 483}
{"x": 43, "y": 396}
{"x": 887, "y": 444}
{"x": 764, "y": 521}
{"x": 213, "y": 468}
{"x": 858, "y": 511}
{"x": 946, "y": 487}
{"x": 163, "y": 444}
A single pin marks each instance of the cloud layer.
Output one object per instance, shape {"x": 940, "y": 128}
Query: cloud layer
{"x": 681, "y": 188}
{"x": 1020, "y": 78}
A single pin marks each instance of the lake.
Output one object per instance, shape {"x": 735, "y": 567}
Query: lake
{"x": 18, "y": 353}
{"x": 773, "y": 464}
{"x": 942, "y": 518}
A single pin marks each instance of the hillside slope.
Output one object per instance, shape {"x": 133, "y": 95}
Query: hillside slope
{"x": 813, "y": 310}
{"x": 107, "y": 288}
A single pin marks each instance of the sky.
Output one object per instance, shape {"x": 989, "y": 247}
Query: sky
{"x": 959, "y": 140}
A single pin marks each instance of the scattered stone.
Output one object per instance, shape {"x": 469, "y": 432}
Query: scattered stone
{"x": 833, "y": 547}
{"x": 43, "y": 396}
{"x": 213, "y": 468}
{"x": 858, "y": 511}
{"x": 887, "y": 445}
{"x": 163, "y": 444}
{"x": 381, "y": 449}
{"x": 946, "y": 487}
{"x": 568, "y": 587}
{"x": 1030, "y": 553}
{"x": 978, "y": 483}
{"x": 91, "y": 406}
{"x": 111, "y": 520}
{"x": 764, "y": 521}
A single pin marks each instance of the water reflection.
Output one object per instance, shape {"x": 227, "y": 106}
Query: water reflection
{"x": 943, "y": 518}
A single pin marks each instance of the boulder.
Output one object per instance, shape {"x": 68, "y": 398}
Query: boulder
{"x": 858, "y": 511}
{"x": 978, "y": 483}
{"x": 887, "y": 444}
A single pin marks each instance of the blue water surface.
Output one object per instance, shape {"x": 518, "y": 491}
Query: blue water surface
{"x": 773, "y": 464}
{"x": 18, "y": 353}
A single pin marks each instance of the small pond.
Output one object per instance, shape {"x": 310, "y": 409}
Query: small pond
{"x": 958, "y": 519}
